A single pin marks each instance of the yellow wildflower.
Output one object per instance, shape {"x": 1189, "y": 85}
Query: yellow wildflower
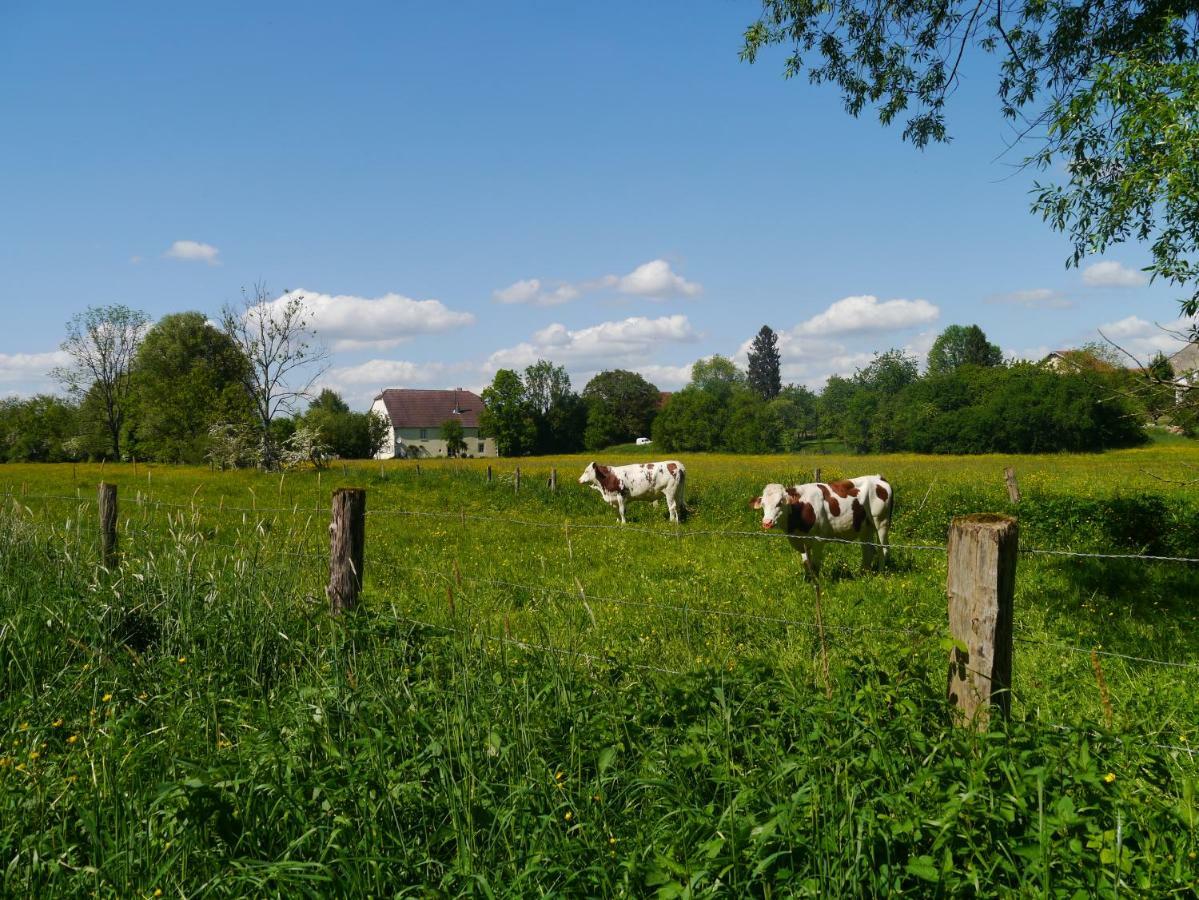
{"x": 34, "y": 755}
{"x": 1109, "y": 777}
{"x": 72, "y": 739}
{"x": 106, "y": 698}
{"x": 57, "y": 723}
{"x": 24, "y": 726}
{"x": 182, "y": 660}
{"x": 569, "y": 815}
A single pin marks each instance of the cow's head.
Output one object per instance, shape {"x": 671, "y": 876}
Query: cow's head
{"x": 775, "y": 502}
{"x": 588, "y": 476}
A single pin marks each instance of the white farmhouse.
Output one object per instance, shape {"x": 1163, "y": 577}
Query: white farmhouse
{"x": 415, "y": 419}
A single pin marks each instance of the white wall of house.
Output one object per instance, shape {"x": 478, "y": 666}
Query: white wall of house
{"x": 388, "y": 450}
{"x": 425, "y": 442}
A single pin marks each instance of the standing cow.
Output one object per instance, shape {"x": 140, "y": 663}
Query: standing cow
{"x": 853, "y": 509}
{"x": 641, "y": 481}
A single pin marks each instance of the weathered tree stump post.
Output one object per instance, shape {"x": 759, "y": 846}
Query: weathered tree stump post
{"x": 981, "y": 584}
{"x": 553, "y": 479}
{"x": 516, "y": 480}
{"x": 347, "y": 537}
{"x": 108, "y": 525}
{"x": 1013, "y": 489}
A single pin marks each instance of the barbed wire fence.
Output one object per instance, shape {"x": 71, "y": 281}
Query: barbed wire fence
{"x": 254, "y": 532}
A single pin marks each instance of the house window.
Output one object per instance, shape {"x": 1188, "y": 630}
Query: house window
{"x": 424, "y": 433}
{"x": 480, "y": 446}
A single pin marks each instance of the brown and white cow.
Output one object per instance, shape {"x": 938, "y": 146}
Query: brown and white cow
{"x": 853, "y": 509}
{"x": 641, "y": 481}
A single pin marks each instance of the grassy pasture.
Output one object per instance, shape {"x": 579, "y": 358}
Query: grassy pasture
{"x": 534, "y": 700}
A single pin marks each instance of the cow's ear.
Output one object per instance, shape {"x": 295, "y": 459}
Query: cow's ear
{"x": 755, "y": 503}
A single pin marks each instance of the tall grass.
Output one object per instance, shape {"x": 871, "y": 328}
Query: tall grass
{"x": 582, "y": 711}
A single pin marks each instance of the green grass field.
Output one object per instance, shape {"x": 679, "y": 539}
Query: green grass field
{"x": 532, "y": 700}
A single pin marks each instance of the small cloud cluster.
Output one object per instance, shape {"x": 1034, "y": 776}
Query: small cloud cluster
{"x": 864, "y": 314}
{"x": 625, "y": 343}
{"x": 1143, "y": 339}
{"x": 348, "y": 322}
{"x": 31, "y": 369}
{"x": 530, "y": 291}
{"x": 1034, "y": 298}
{"x": 190, "y": 251}
{"x": 1109, "y": 273}
{"x": 654, "y": 279}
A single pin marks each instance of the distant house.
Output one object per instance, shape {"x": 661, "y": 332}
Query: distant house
{"x": 416, "y": 418}
{"x": 1185, "y": 363}
{"x": 1072, "y": 361}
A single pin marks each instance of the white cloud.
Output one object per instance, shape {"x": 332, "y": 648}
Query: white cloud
{"x": 1143, "y": 339}
{"x": 29, "y": 373}
{"x": 861, "y": 314}
{"x": 1109, "y": 273}
{"x": 1034, "y": 298}
{"x": 192, "y": 251}
{"x": 530, "y": 291}
{"x": 348, "y": 322}
{"x": 358, "y": 384}
{"x": 654, "y": 279}
{"x": 621, "y": 343}
{"x": 666, "y": 378}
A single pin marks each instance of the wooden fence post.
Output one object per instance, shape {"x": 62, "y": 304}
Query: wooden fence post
{"x": 517, "y": 479}
{"x": 980, "y": 584}
{"x": 108, "y": 525}
{"x": 418, "y": 468}
{"x": 489, "y": 474}
{"x": 553, "y": 479}
{"x": 347, "y": 537}
{"x": 1013, "y": 489}
{"x": 816, "y": 475}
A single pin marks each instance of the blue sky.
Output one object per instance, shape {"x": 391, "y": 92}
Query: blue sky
{"x": 460, "y": 187}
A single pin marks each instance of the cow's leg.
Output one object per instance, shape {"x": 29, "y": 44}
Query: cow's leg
{"x": 671, "y": 504}
{"x": 883, "y": 531}
{"x": 810, "y": 551}
{"x": 868, "y": 553}
{"x": 620, "y": 507}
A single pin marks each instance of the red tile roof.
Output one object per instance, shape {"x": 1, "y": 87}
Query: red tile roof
{"x": 428, "y": 409}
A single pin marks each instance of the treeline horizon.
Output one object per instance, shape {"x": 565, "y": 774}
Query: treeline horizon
{"x": 186, "y": 391}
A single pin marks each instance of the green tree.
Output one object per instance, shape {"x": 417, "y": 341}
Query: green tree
{"x": 454, "y": 436}
{"x": 328, "y": 400}
{"x": 284, "y": 360}
{"x": 693, "y": 421}
{"x": 42, "y": 428}
{"x": 1107, "y": 91}
{"x": 750, "y": 426}
{"x": 717, "y": 375}
{"x": 888, "y": 373}
{"x": 102, "y": 343}
{"x": 559, "y": 413}
{"x": 961, "y": 345}
{"x": 764, "y": 362}
{"x": 342, "y": 432}
{"x": 508, "y": 417}
{"x": 621, "y": 406}
{"x": 187, "y": 377}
